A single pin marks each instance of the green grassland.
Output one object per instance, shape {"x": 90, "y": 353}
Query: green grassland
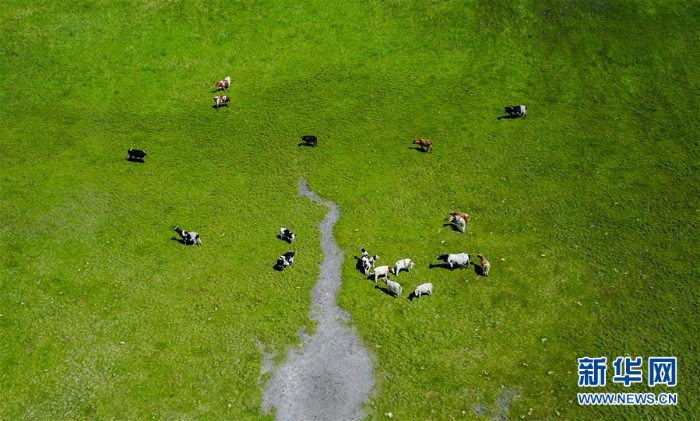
{"x": 588, "y": 209}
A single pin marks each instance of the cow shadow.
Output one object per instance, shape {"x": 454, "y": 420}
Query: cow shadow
{"x": 216, "y": 107}
{"x": 137, "y": 160}
{"x": 418, "y": 149}
{"x": 507, "y": 117}
{"x": 218, "y": 90}
{"x": 181, "y": 241}
{"x": 358, "y": 264}
{"x": 386, "y": 291}
{"x": 278, "y": 268}
{"x": 442, "y": 266}
{"x": 479, "y": 270}
{"x": 455, "y": 227}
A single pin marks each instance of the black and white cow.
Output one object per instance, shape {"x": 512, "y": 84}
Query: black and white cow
{"x": 189, "y": 237}
{"x": 367, "y": 261}
{"x": 461, "y": 259}
{"x": 287, "y": 259}
{"x": 515, "y": 111}
{"x": 287, "y": 235}
{"x": 136, "y": 154}
{"x": 309, "y": 140}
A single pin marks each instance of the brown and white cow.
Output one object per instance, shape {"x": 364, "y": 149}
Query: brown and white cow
{"x": 426, "y": 145}
{"x": 460, "y": 219}
{"x": 221, "y": 100}
{"x": 223, "y": 85}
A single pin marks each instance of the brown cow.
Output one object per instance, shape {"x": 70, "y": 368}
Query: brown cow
{"x": 426, "y": 145}
{"x": 485, "y": 265}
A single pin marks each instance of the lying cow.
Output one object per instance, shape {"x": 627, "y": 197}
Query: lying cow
{"x": 461, "y": 259}
{"x": 367, "y": 261}
{"x": 515, "y": 111}
{"x": 403, "y": 264}
{"x": 426, "y": 145}
{"x": 136, "y": 154}
{"x": 461, "y": 220}
{"x": 310, "y": 140}
{"x": 287, "y": 259}
{"x": 394, "y": 287}
{"x": 224, "y": 84}
{"x": 221, "y": 100}
{"x": 287, "y": 235}
{"x": 424, "y": 289}
{"x": 189, "y": 237}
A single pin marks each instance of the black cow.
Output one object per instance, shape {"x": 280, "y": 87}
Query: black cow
{"x": 136, "y": 154}
{"x": 309, "y": 140}
{"x": 515, "y": 111}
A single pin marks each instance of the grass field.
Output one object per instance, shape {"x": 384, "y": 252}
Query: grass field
{"x": 588, "y": 209}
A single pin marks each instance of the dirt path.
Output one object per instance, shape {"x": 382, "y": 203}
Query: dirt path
{"x": 332, "y": 375}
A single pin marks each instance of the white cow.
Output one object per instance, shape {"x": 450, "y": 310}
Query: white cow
{"x": 402, "y": 264}
{"x": 382, "y": 272}
{"x": 461, "y": 259}
{"x": 424, "y": 289}
{"x": 394, "y": 287}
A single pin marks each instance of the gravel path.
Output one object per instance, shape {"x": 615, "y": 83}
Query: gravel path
{"x": 331, "y": 377}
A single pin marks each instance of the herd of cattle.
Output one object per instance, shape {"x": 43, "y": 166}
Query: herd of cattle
{"x": 366, "y": 262}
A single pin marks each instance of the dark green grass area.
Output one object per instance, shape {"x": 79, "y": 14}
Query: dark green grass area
{"x": 587, "y": 209}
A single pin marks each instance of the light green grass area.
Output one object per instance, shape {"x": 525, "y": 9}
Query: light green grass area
{"x": 588, "y": 209}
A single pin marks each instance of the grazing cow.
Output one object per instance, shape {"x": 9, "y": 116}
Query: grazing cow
{"x": 461, "y": 259}
{"x": 223, "y": 85}
{"x": 485, "y": 265}
{"x": 403, "y": 264}
{"x": 221, "y": 100}
{"x": 460, "y": 219}
{"x": 515, "y": 111}
{"x": 287, "y": 235}
{"x": 287, "y": 259}
{"x": 382, "y": 272}
{"x": 136, "y": 154}
{"x": 393, "y": 287}
{"x": 426, "y": 145}
{"x": 424, "y": 289}
{"x": 367, "y": 261}
{"x": 189, "y": 237}
{"x": 310, "y": 140}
